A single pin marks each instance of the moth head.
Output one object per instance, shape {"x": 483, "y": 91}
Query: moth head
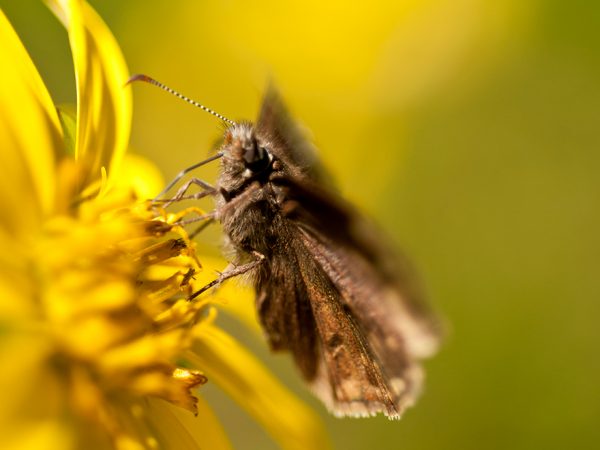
{"x": 245, "y": 151}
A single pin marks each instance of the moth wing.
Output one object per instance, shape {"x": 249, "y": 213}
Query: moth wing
{"x": 375, "y": 289}
{"x": 358, "y": 250}
{"x": 349, "y": 379}
{"x": 382, "y": 327}
{"x": 366, "y": 304}
{"x": 284, "y": 310}
{"x": 286, "y": 139}
{"x": 301, "y": 311}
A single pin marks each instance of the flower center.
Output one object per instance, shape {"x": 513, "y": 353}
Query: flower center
{"x": 113, "y": 288}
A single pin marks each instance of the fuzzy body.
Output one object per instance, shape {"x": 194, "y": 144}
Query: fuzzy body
{"x": 248, "y": 205}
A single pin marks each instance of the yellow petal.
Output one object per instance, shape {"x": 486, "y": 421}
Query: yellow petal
{"x": 180, "y": 429}
{"x": 224, "y": 361}
{"x": 30, "y": 134}
{"x": 51, "y": 434}
{"x": 29, "y": 416}
{"x": 103, "y": 101}
{"x": 139, "y": 175}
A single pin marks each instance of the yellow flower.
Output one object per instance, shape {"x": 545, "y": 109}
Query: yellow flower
{"x": 99, "y": 347}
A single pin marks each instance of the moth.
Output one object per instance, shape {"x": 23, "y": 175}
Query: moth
{"x": 329, "y": 289}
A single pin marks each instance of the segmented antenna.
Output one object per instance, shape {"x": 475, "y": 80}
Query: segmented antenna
{"x": 147, "y": 79}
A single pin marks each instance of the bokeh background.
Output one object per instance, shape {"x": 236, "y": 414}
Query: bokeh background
{"x": 470, "y": 129}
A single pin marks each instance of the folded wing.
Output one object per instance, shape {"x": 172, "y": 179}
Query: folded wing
{"x": 374, "y": 327}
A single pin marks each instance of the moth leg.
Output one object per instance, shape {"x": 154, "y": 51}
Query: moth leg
{"x": 206, "y": 218}
{"x": 231, "y": 271}
{"x": 240, "y": 199}
{"x": 199, "y": 229}
{"x": 181, "y": 174}
{"x": 176, "y": 218}
{"x": 180, "y": 195}
{"x": 202, "y": 217}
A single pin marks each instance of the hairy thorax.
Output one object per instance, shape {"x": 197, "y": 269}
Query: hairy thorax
{"x": 248, "y": 204}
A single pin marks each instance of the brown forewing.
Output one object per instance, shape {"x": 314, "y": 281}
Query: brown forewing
{"x": 331, "y": 301}
{"x": 282, "y": 303}
{"x": 351, "y": 380}
{"x": 332, "y": 292}
{"x": 302, "y": 311}
{"x": 391, "y": 339}
{"x": 355, "y": 247}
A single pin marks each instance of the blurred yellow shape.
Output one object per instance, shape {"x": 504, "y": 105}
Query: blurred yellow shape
{"x": 103, "y": 102}
{"x": 29, "y": 131}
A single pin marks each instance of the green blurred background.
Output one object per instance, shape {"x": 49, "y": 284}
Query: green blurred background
{"x": 470, "y": 129}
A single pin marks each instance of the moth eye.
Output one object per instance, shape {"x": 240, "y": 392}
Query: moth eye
{"x": 257, "y": 158}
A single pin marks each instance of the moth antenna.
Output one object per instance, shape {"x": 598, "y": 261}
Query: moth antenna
{"x": 147, "y": 79}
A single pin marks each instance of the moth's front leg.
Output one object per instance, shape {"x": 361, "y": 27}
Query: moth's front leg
{"x": 232, "y": 271}
{"x": 207, "y": 190}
